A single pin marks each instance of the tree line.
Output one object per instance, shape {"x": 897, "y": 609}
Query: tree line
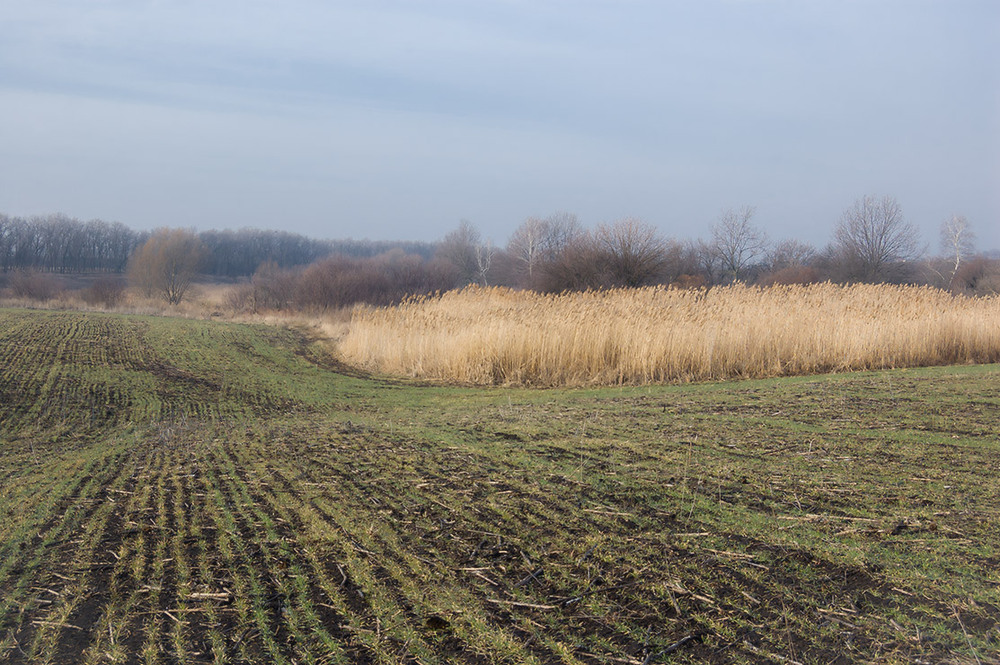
{"x": 872, "y": 242}
{"x": 62, "y": 244}
{"x": 57, "y": 243}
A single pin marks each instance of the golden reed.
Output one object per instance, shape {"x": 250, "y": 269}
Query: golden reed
{"x": 496, "y": 336}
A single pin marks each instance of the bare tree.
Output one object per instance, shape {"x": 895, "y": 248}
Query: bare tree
{"x": 577, "y": 267}
{"x": 7, "y": 231}
{"x": 790, "y": 253}
{"x": 459, "y": 248}
{"x": 538, "y": 241}
{"x": 525, "y": 245}
{"x": 736, "y": 242}
{"x": 632, "y": 252}
{"x": 562, "y": 229}
{"x": 874, "y": 241}
{"x": 681, "y": 263}
{"x": 957, "y": 241}
{"x": 707, "y": 261}
{"x": 167, "y": 264}
{"x": 790, "y": 262}
{"x": 484, "y": 260}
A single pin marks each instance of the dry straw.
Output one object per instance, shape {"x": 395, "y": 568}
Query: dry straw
{"x": 659, "y": 335}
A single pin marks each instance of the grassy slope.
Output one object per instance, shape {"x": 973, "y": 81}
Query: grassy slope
{"x": 183, "y": 491}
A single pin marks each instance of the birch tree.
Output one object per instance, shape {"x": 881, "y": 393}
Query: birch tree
{"x": 958, "y": 242}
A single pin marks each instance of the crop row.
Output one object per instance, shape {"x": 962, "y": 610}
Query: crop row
{"x": 371, "y": 522}
{"x": 65, "y": 376}
{"x": 187, "y": 551}
{"x": 230, "y": 542}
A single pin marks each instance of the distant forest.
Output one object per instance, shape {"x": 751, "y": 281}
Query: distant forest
{"x": 61, "y": 244}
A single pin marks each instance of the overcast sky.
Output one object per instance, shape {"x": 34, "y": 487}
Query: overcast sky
{"x": 396, "y": 120}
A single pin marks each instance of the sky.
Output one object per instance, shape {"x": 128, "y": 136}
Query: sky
{"x": 397, "y": 119}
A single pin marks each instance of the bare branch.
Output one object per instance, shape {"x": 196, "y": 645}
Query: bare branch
{"x": 736, "y": 242}
{"x": 874, "y": 240}
{"x": 958, "y": 242}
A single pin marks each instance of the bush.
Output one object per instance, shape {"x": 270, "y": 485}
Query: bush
{"x": 34, "y": 285}
{"x": 790, "y": 275}
{"x": 240, "y": 298}
{"x": 342, "y": 281}
{"x": 270, "y": 288}
{"x": 105, "y": 291}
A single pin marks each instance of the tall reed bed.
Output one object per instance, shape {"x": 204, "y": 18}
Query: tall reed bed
{"x": 657, "y": 335}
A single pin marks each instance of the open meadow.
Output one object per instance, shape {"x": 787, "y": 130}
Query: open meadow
{"x": 184, "y": 491}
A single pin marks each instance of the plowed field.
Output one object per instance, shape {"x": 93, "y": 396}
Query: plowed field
{"x": 177, "y": 491}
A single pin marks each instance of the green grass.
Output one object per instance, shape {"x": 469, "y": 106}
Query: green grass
{"x": 186, "y": 491}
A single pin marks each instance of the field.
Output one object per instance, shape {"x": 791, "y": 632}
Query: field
{"x": 181, "y": 491}
{"x": 655, "y": 335}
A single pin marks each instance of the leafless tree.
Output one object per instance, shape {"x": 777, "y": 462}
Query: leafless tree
{"x": 736, "y": 242}
{"x": 632, "y": 252}
{"x": 538, "y": 241}
{"x": 484, "y": 260}
{"x": 790, "y": 254}
{"x": 459, "y": 248}
{"x": 562, "y": 229}
{"x": 958, "y": 242}
{"x": 681, "y": 263}
{"x": 577, "y": 267}
{"x": 707, "y": 261}
{"x": 167, "y": 264}
{"x": 874, "y": 241}
{"x": 790, "y": 262}
{"x": 525, "y": 245}
{"x": 8, "y": 229}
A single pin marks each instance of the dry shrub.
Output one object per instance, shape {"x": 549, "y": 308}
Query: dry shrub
{"x": 31, "y": 285}
{"x": 798, "y": 274}
{"x": 105, "y": 291}
{"x": 655, "y": 334}
{"x": 269, "y": 289}
{"x": 989, "y": 284}
{"x": 977, "y": 276}
{"x": 689, "y": 281}
{"x": 240, "y": 299}
{"x": 341, "y": 281}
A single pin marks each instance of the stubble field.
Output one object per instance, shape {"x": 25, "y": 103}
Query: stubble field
{"x": 177, "y": 491}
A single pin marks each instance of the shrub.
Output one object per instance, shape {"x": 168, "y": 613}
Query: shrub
{"x": 342, "y": 281}
{"x": 106, "y": 291}
{"x": 791, "y": 275}
{"x": 34, "y": 285}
